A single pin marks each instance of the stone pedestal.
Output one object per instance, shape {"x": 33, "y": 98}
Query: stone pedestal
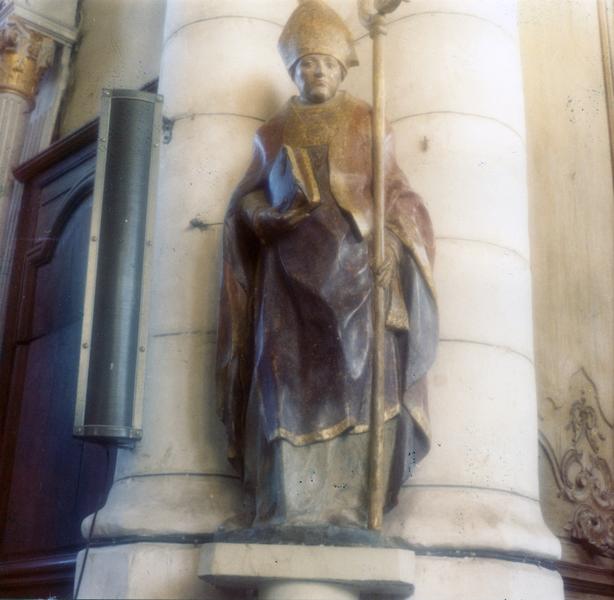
{"x": 471, "y": 577}
{"x": 281, "y": 572}
{"x": 144, "y": 570}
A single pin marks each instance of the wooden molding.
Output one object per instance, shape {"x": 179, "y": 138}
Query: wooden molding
{"x": 604, "y": 13}
{"x": 57, "y": 159}
{"x": 45, "y": 575}
{"x": 58, "y": 151}
{"x": 585, "y": 578}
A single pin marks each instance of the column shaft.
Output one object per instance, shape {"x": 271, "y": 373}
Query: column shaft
{"x": 13, "y": 117}
{"x": 456, "y": 104}
{"x": 221, "y": 78}
{"x": 457, "y": 107}
{"x": 322, "y": 591}
{"x": 25, "y": 56}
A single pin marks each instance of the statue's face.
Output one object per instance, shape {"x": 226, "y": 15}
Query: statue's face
{"x": 317, "y": 77}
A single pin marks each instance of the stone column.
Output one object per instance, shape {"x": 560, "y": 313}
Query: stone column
{"x": 221, "y": 78}
{"x": 36, "y": 40}
{"x": 25, "y": 56}
{"x": 456, "y": 104}
{"x": 13, "y": 115}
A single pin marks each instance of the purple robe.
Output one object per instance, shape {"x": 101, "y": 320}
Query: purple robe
{"x": 295, "y": 341}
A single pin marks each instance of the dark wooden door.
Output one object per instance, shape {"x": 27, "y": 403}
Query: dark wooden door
{"x": 49, "y": 481}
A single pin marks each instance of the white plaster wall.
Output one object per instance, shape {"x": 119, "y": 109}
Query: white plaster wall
{"x": 120, "y": 46}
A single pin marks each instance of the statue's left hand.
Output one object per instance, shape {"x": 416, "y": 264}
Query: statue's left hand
{"x": 384, "y": 274}
{"x": 269, "y": 223}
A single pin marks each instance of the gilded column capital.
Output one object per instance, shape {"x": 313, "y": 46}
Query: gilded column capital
{"x": 25, "y": 55}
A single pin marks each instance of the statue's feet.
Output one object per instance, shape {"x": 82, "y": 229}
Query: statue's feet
{"x": 236, "y": 523}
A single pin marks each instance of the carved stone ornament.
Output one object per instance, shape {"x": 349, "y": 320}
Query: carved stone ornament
{"x": 582, "y": 475}
{"x": 25, "y": 56}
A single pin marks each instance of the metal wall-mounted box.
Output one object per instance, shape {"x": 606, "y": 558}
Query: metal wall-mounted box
{"x": 114, "y": 332}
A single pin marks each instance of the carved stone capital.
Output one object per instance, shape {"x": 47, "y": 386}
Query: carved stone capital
{"x": 25, "y": 55}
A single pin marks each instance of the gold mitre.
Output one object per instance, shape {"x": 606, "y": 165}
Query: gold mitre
{"x": 315, "y": 28}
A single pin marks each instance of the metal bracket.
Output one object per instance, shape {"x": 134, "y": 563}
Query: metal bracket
{"x": 167, "y": 130}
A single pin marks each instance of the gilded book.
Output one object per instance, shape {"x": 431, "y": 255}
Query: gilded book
{"x": 292, "y": 172}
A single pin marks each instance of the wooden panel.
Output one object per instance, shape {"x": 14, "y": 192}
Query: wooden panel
{"x": 49, "y": 481}
{"x": 572, "y": 235}
{"x": 36, "y": 577}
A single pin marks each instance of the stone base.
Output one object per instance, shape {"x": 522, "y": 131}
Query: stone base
{"x": 445, "y": 578}
{"x": 466, "y": 519}
{"x": 166, "y": 504}
{"x": 282, "y": 571}
{"x": 285, "y": 572}
{"x": 145, "y": 570}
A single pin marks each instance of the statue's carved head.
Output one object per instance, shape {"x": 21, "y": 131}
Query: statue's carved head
{"x": 317, "y": 77}
{"x": 317, "y": 49}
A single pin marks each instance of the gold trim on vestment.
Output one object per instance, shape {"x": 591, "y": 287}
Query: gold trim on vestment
{"x": 418, "y": 414}
{"x": 422, "y": 263}
{"x": 318, "y": 125}
{"x": 313, "y": 124}
{"x": 397, "y": 318}
{"x": 329, "y": 433}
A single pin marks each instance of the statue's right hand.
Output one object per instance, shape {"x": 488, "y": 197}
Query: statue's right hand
{"x": 269, "y": 223}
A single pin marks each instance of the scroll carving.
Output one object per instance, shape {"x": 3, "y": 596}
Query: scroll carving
{"x": 582, "y": 475}
{"x": 594, "y": 529}
{"x": 583, "y": 423}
